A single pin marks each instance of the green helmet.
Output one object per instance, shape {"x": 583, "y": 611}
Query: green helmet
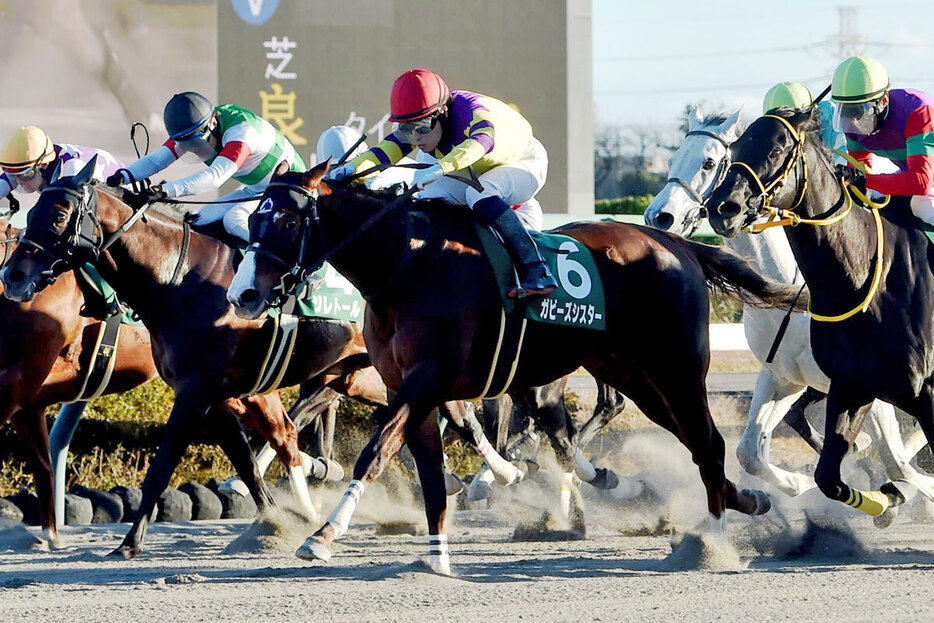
{"x": 792, "y": 94}
{"x": 859, "y": 79}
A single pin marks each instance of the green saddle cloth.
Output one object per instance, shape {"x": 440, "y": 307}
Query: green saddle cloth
{"x": 332, "y": 298}
{"x": 579, "y": 300}
{"x": 110, "y": 296}
{"x": 928, "y": 231}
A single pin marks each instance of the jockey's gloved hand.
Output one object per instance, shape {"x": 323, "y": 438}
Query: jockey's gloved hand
{"x": 423, "y": 177}
{"x": 851, "y": 176}
{"x": 344, "y": 170}
{"x": 117, "y": 179}
{"x": 144, "y": 197}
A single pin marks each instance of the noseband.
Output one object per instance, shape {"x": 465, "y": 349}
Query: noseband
{"x": 694, "y": 218}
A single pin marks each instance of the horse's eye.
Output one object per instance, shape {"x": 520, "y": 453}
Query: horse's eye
{"x": 290, "y": 224}
{"x": 709, "y": 164}
{"x": 775, "y": 153}
{"x": 60, "y": 218}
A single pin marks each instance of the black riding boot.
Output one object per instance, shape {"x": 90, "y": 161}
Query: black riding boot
{"x": 534, "y": 276}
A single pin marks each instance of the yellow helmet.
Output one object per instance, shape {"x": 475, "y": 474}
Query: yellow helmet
{"x": 792, "y": 94}
{"x": 26, "y": 148}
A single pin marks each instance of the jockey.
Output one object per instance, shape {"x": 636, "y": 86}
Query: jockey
{"x": 796, "y": 95}
{"x": 463, "y": 129}
{"x": 232, "y": 141}
{"x": 895, "y": 123}
{"x": 337, "y": 139}
{"x": 29, "y": 160}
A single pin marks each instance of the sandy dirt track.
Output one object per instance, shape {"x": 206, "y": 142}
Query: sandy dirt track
{"x": 186, "y": 574}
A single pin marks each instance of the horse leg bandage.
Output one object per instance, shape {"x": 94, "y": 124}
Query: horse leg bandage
{"x": 340, "y": 517}
{"x": 505, "y": 472}
{"x": 438, "y": 557}
{"x": 870, "y": 502}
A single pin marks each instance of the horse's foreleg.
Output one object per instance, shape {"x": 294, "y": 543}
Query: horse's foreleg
{"x": 188, "y": 410}
{"x": 846, "y": 410}
{"x": 770, "y": 401}
{"x": 424, "y": 441}
{"x": 797, "y": 420}
{"x": 30, "y": 427}
{"x": 413, "y": 402}
{"x": 232, "y": 439}
{"x": 66, "y": 423}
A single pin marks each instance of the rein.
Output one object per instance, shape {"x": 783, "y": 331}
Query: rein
{"x": 789, "y": 217}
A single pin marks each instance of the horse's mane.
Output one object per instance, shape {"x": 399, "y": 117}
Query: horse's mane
{"x": 363, "y": 193}
{"x": 811, "y": 126}
{"x": 168, "y": 212}
{"x": 717, "y": 118}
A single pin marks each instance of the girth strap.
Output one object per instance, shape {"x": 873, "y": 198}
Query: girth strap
{"x": 281, "y": 348}
{"x": 507, "y": 352}
{"x": 103, "y": 358}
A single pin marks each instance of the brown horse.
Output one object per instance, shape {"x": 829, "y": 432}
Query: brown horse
{"x": 44, "y": 359}
{"x": 45, "y": 352}
{"x": 434, "y": 311}
{"x": 202, "y": 348}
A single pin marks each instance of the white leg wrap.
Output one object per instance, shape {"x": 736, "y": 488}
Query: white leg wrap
{"x": 584, "y": 468}
{"x": 300, "y": 489}
{"x": 264, "y": 458}
{"x": 340, "y": 517}
{"x": 717, "y": 526}
{"x": 438, "y": 557}
{"x": 564, "y": 493}
{"x": 505, "y": 472}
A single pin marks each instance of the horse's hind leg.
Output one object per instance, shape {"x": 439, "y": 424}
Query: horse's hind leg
{"x": 30, "y": 427}
{"x": 267, "y": 416}
{"x": 770, "y": 402}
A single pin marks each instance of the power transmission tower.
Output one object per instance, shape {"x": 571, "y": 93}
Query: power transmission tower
{"x": 847, "y": 41}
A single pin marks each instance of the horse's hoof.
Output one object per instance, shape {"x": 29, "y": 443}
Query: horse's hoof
{"x": 452, "y": 484}
{"x": 763, "y": 502}
{"x": 313, "y": 549}
{"x": 234, "y": 485}
{"x": 606, "y": 479}
{"x": 899, "y": 491}
{"x": 886, "y": 518}
{"x": 125, "y": 552}
{"x": 479, "y": 491}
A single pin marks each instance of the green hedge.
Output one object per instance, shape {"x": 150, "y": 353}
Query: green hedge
{"x": 622, "y": 205}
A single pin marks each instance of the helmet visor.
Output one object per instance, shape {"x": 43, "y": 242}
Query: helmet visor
{"x": 855, "y": 118}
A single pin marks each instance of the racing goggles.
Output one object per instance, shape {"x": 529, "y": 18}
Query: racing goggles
{"x": 859, "y": 118}
{"x": 411, "y": 129}
{"x": 25, "y": 175}
{"x": 198, "y": 137}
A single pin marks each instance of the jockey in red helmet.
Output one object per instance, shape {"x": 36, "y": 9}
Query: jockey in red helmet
{"x": 461, "y": 129}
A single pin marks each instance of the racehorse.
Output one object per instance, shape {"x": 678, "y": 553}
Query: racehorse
{"x": 693, "y": 172}
{"x": 434, "y": 310}
{"x": 177, "y": 285}
{"x": 877, "y": 260}
{"x": 45, "y": 354}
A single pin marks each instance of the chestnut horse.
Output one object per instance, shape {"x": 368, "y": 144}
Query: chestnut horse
{"x": 202, "y": 348}
{"x": 434, "y": 312}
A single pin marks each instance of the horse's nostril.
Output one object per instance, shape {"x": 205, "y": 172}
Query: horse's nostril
{"x": 729, "y": 209}
{"x": 250, "y": 295}
{"x": 15, "y": 276}
{"x": 664, "y": 221}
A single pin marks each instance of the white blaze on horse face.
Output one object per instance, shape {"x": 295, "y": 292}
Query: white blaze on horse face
{"x": 243, "y": 279}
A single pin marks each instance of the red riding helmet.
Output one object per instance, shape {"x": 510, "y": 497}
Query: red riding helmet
{"x": 416, "y": 94}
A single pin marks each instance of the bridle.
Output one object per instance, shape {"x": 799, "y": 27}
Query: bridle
{"x": 293, "y": 279}
{"x": 782, "y": 216}
{"x": 696, "y": 216}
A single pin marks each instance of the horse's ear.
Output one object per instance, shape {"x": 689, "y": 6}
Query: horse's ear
{"x": 730, "y": 128}
{"x": 313, "y": 176}
{"x": 84, "y": 175}
{"x": 695, "y": 117}
{"x": 806, "y": 119}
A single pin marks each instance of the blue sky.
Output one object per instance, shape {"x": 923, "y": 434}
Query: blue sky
{"x": 653, "y": 58}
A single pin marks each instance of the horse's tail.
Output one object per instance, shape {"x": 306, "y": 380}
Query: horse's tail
{"x": 729, "y": 273}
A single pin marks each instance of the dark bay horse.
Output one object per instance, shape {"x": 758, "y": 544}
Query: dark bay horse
{"x": 45, "y": 351}
{"x": 434, "y": 312}
{"x": 871, "y": 277}
{"x": 202, "y": 349}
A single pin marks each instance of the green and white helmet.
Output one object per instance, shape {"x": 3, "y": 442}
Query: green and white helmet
{"x": 859, "y": 79}
{"x": 793, "y": 94}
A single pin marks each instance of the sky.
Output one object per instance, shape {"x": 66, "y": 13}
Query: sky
{"x": 651, "y": 59}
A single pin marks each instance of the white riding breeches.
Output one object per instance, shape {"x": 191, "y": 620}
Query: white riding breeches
{"x": 516, "y": 183}
{"x": 236, "y": 216}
